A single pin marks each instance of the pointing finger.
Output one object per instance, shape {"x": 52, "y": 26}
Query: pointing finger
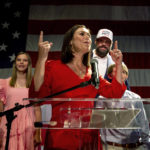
{"x": 116, "y": 45}
{"x": 41, "y": 37}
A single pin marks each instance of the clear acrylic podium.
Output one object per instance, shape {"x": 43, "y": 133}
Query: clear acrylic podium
{"x": 96, "y": 114}
{"x": 93, "y": 114}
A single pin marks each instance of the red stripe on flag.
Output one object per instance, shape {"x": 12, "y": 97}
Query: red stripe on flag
{"x": 93, "y": 2}
{"x": 118, "y": 27}
{"x": 142, "y": 91}
{"x": 137, "y": 60}
{"x": 52, "y": 56}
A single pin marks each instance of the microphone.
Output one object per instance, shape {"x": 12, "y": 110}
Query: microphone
{"x": 95, "y": 73}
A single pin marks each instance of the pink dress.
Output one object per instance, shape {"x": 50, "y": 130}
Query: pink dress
{"x": 22, "y": 129}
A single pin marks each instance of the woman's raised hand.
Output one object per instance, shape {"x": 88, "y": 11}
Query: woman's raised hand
{"x": 43, "y": 47}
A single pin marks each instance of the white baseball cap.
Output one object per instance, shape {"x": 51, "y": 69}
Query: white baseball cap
{"x": 105, "y": 33}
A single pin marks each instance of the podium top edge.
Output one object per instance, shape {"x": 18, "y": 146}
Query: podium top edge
{"x": 87, "y": 99}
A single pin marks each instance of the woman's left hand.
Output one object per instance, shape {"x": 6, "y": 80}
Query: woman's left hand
{"x": 37, "y": 137}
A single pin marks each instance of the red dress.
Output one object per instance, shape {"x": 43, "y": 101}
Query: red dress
{"x": 58, "y": 77}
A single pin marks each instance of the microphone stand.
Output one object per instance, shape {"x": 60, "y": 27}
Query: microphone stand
{"x": 10, "y": 117}
{"x": 82, "y": 84}
{"x": 10, "y": 113}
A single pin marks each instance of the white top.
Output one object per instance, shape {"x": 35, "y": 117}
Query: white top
{"x": 129, "y": 95}
{"x": 125, "y": 136}
{"x": 103, "y": 63}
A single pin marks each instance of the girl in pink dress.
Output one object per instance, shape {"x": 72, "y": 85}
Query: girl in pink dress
{"x": 12, "y": 91}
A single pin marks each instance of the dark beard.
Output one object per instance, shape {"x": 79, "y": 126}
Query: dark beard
{"x": 102, "y": 53}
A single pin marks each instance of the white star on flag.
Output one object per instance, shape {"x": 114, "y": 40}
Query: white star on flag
{"x": 3, "y": 47}
{"x": 16, "y": 35}
{"x": 17, "y": 14}
{"x": 5, "y": 25}
{"x": 12, "y": 57}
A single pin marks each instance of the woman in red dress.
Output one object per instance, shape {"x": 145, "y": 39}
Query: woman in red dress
{"x": 74, "y": 67}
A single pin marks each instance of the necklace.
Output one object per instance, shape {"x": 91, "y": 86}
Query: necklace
{"x": 78, "y": 70}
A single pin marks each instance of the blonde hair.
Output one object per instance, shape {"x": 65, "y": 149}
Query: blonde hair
{"x": 28, "y": 72}
{"x": 124, "y": 68}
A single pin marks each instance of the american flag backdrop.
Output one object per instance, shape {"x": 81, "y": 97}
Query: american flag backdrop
{"x": 21, "y": 22}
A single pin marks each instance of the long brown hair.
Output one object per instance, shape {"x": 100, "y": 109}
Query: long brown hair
{"x": 28, "y": 72}
{"x": 66, "y": 52}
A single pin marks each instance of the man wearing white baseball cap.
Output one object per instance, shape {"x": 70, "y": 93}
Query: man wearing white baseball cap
{"x": 104, "y": 42}
{"x": 105, "y": 33}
